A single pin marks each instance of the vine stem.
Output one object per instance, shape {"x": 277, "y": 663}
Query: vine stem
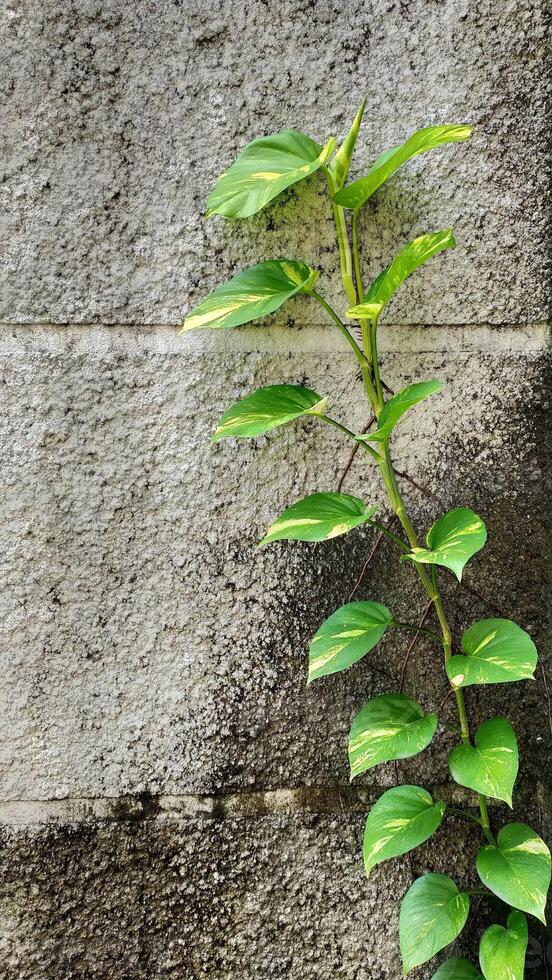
{"x": 359, "y": 353}
{"x": 430, "y": 585}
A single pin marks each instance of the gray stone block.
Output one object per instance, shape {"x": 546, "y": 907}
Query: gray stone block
{"x": 150, "y": 646}
{"x": 121, "y": 116}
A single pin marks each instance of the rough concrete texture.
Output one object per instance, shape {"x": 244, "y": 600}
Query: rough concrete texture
{"x": 122, "y": 115}
{"x": 175, "y": 803}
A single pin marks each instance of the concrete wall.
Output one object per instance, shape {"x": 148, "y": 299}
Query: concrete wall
{"x": 174, "y": 801}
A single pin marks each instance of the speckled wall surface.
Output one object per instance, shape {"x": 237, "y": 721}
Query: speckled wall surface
{"x": 174, "y": 802}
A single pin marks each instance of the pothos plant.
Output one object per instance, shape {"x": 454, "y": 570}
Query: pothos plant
{"x": 514, "y": 865}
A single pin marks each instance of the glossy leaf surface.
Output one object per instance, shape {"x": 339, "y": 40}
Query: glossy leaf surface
{"x": 402, "y": 818}
{"x": 251, "y": 294}
{"x": 410, "y": 258}
{"x": 428, "y": 138}
{"x": 266, "y": 409}
{"x": 346, "y": 637}
{"x": 452, "y": 541}
{"x": 397, "y": 406}
{"x": 502, "y": 951}
{"x": 517, "y": 869}
{"x": 341, "y": 161}
{"x": 391, "y": 726}
{"x": 265, "y": 168}
{"x": 457, "y": 968}
{"x": 490, "y": 767}
{"x": 433, "y": 913}
{"x": 319, "y": 516}
{"x": 496, "y": 651}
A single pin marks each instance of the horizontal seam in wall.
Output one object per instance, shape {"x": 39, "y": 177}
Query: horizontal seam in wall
{"x": 100, "y": 340}
{"x": 330, "y": 800}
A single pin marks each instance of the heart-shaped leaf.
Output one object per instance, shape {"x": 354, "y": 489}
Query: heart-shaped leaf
{"x": 457, "y": 968}
{"x": 252, "y": 294}
{"x": 517, "y": 869}
{"x": 263, "y": 170}
{"x": 402, "y": 818}
{"x": 346, "y": 637}
{"x": 390, "y": 726}
{"x": 410, "y": 258}
{"x": 341, "y": 161}
{"x": 433, "y": 913}
{"x": 491, "y": 766}
{"x": 502, "y": 951}
{"x": 452, "y": 541}
{"x": 395, "y": 408}
{"x": 267, "y": 408}
{"x": 497, "y": 650}
{"x": 319, "y": 516}
{"x": 357, "y": 193}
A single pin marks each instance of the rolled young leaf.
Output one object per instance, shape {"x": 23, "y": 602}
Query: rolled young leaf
{"x": 340, "y": 163}
{"x": 390, "y": 726}
{"x": 433, "y": 913}
{"x": 357, "y": 193}
{"x": 265, "y": 168}
{"x": 496, "y": 651}
{"x": 319, "y": 516}
{"x": 266, "y": 409}
{"x": 502, "y": 951}
{"x": 410, "y": 258}
{"x": 395, "y": 408}
{"x": 347, "y": 636}
{"x": 517, "y": 869}
{"x": 253, "y": 293}
{"x": 452, "y": 541}
{"x": 457, "y": 968}
{"x": 491, "y": 766}
{"x": 402, "y": 818}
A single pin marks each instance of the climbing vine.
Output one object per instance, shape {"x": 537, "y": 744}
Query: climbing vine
{"x": 514, "y": 865}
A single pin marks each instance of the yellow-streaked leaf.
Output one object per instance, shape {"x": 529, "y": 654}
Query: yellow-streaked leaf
{"x": 347, "y": 636}
{"x": 490, "y": 766}
{"x": 410, "y": 258}
{"x": 267, "y": 408}
{"x": 433, "y": 913}
{"x": 265, "y": 168}
{"x": 496, "y": 651}
{"x": 517, "y": 868}
{"x": 390, "y": 726}
{"x": 452, "y": 541}
{"x": 252, "y": 294}
{"x": 402, "y": 818}
{"x": 395, "y": 408}
{"x": 428, "y": 138}
{"x": 318, "y": 517}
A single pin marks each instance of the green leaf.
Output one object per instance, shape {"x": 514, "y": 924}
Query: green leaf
{"x": 395, "y": 408}
{"x": 452, "y": 541}
{"x": 517, "y": 869}
{"x": 252, "y": 294}
{"x": 433, "y": 913}
{"x": 357, "y": 193}
{"x": 497, "y": 650}
{"x": 457, "y": 968}
{"x": 410, "y": 258}
{"x": 402, "y": 818}
{"x": 341, "y": 162}
{"x": 346, "y": 637}
{"x": 502, "y": 951}
{"x": 491, "y": 766}
{"x": 267, "y": 408}
{"x": 318, "y": 517}
{"x": 390, "y": 726}
{"x": 263, "y": 170}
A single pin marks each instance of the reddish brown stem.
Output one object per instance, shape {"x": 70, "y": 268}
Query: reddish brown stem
{"x": 413, "y": 642}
